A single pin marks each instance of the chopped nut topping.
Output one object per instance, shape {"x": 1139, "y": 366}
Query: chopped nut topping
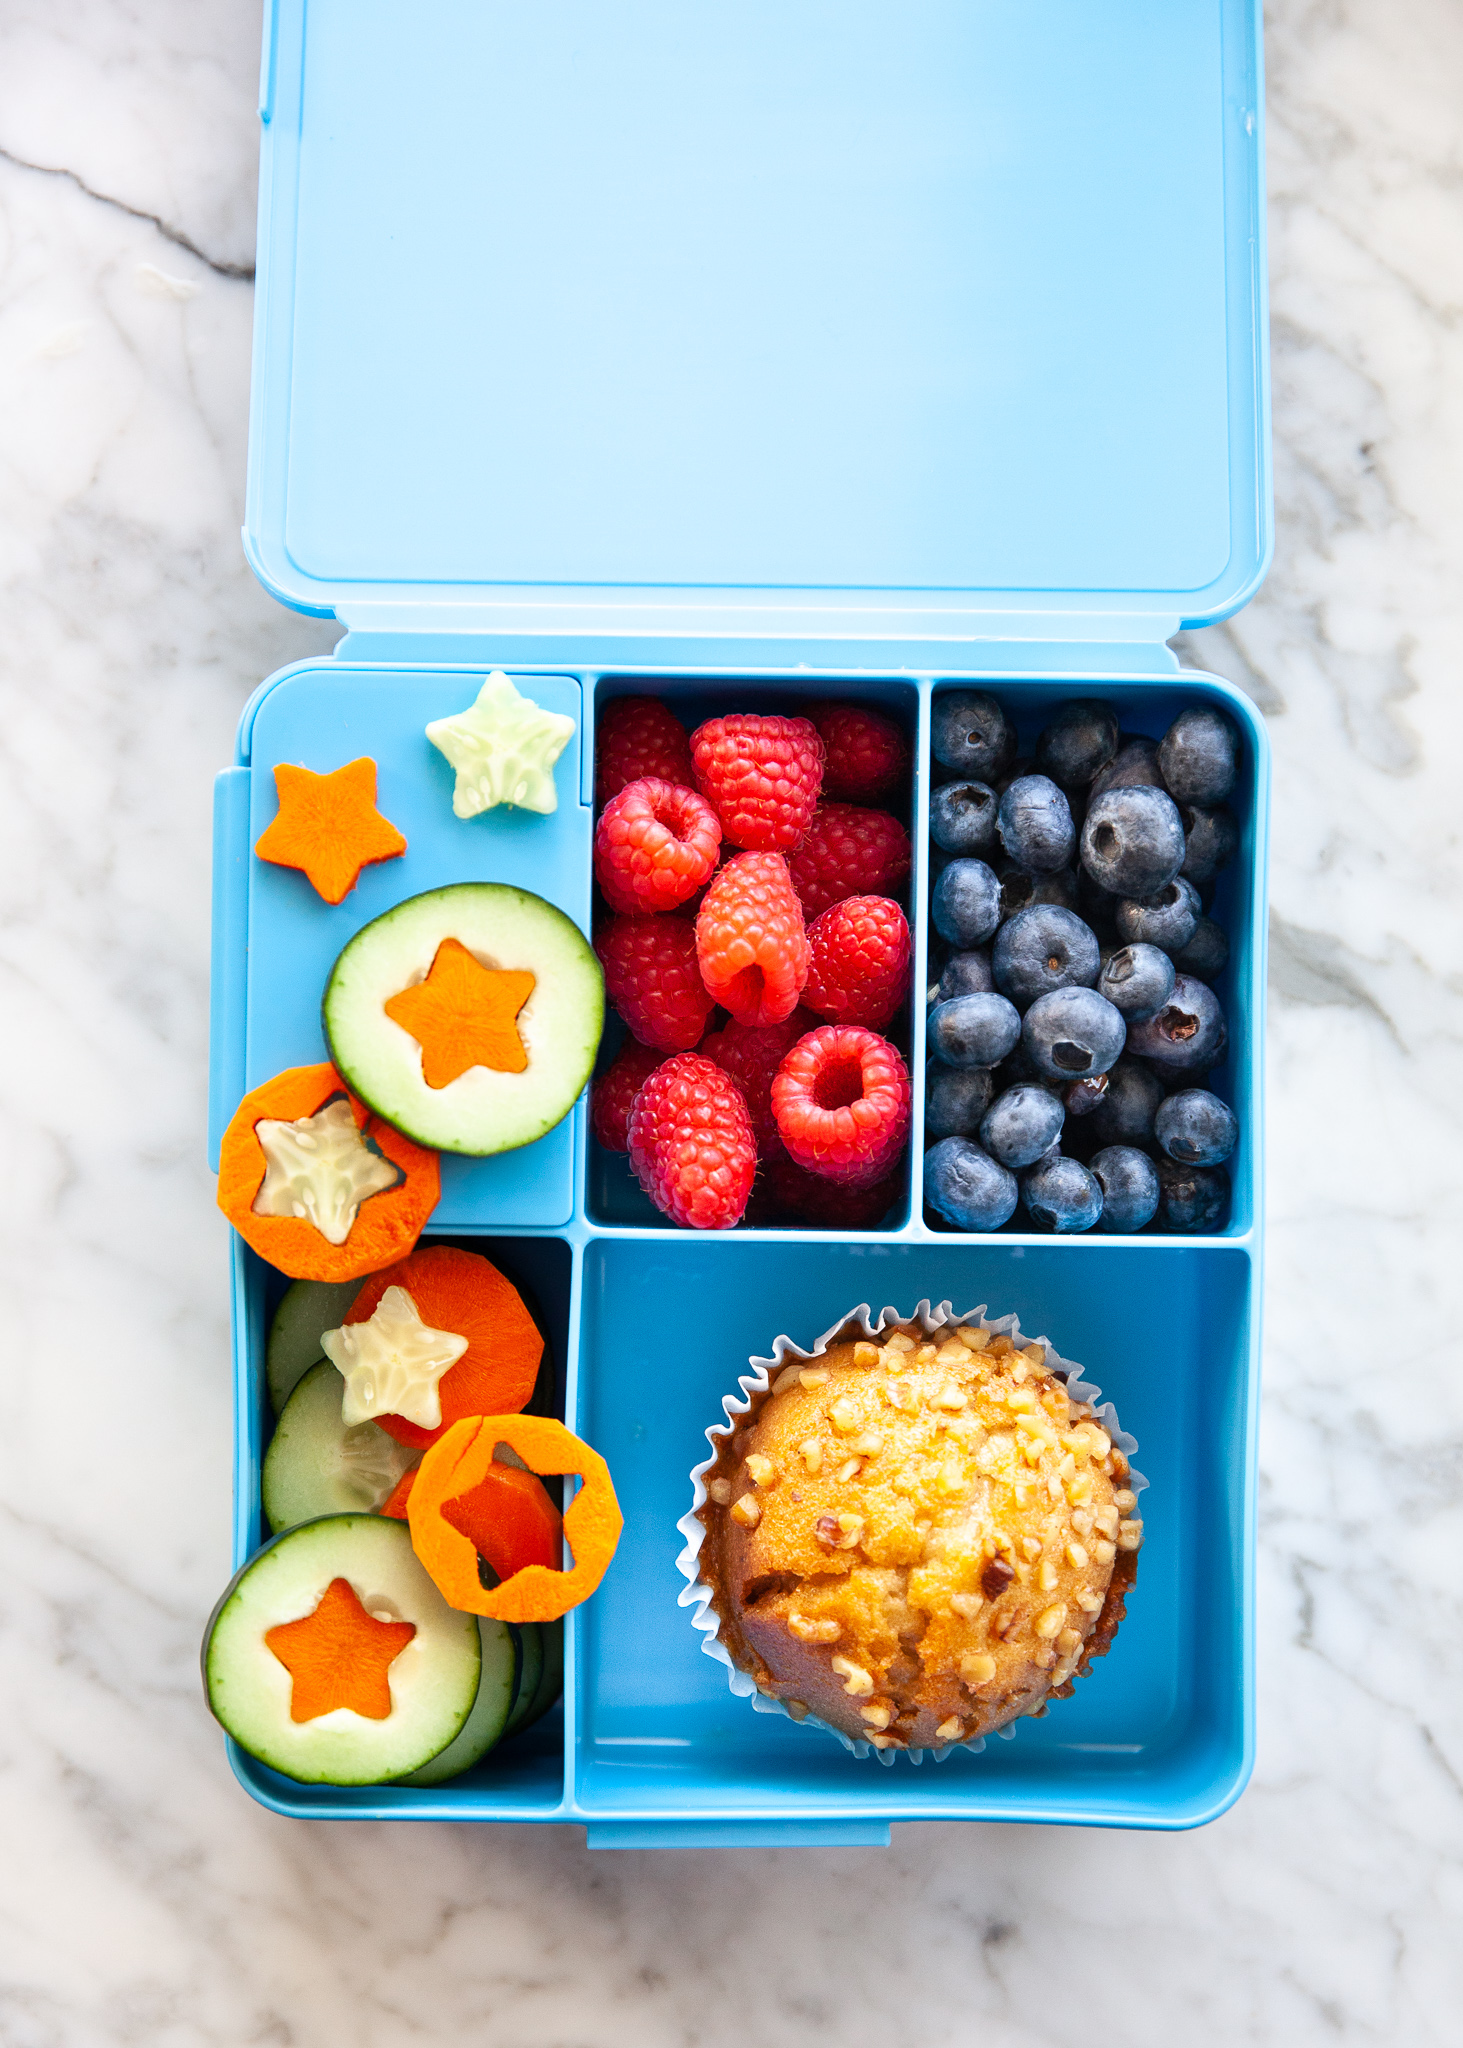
{"x": 844, "y": 1416}
{"x": 972, "y": 1336}
{"x": 810, "y": 1628}
{"x": 898, "y": 1341}
{"x": 1048, "y": 1622}
{"x": 868, "y": 1445}
{"x": 1046, "y": 1578}
{"x": 1076, "y": 1557}
{"x": 901, "y": 1395}
{"x": 952, "y": 1730}
{"x": 1101, "y": 1441}
{"x": 1009, "y": 1624}
{"x": 888, "y": 1742}
{"x": 1105, "y": 1519}
{"x": 966, "y": 1605}
{"x": 788, "y": 1377}
{"x": 951, "y": 1399}
{"x": 839, "y": 1532}
{"x": 1120, "y": 1465}
{"x": 747, "y": 1511}
{"x": 1068, "y": 1641}
{"x": 1019, "y": 1368}
{"x": 761, "y": 1471}
{"x": 798, "y": 1709}
{"x": 1031, "y": 1545}
{"x": 1035, "y": 1356}
{"x": 1054, "y": 1486}
{"x": 1124, "y": 1499}
{"x": 1130, "y": 1535}
{"x": 849, "y": 1469}
{"x": 1043, "y": 1659}
{"x": 811, "y": 1453}
{"x": 1001, "y": 1347}
{"x": 995, "y": 1577}
{"x": 720, "y": 1491}
{"x": 951, "y": 1476}
{"x": 952, "y": 1352}
{"x": 856, "y": 1681}
{"x": 1103, "y": 1551}
{"x": 866, "y": 1354}
{"x": 813, "y": 1376}
{"x": 1022, "y": 1400}
{"x": 877, "y": 1714}
{"x": 1082, "y": 1522}
{"x": 925, "y": 1355}
{"x": 976, "y": 1668}
{"x": 1079, "y": 1491}
{"x": 1090, "y": 1603}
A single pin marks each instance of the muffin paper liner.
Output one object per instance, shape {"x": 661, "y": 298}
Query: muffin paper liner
{"x": 859, "y": 1322}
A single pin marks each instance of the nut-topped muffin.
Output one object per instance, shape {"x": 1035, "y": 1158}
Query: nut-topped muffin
{"x": 920, "y": 1537}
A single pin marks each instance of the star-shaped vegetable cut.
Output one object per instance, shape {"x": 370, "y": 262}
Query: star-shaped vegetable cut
{"x": 339, "y": 1656}
{"x": 464, "y": 1015}
{"x": 328, "y": 826}
{"x": 391, "y": 1364}
{"x": 504, "y": 748}
{"x": 320, "y": 1168}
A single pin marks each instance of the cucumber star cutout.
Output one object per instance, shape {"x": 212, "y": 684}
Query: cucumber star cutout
{"x": 392, "y": 1364}
{"x": 464, "y": 1015}
{"x": 328, "y": 826}
{"x": 339, "y": 1656}
{"x": 319, "y": 1168}
{"x": 504, "y": 748}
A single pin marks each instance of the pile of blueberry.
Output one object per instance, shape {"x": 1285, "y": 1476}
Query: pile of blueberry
{"x": 1074, "y": 1021}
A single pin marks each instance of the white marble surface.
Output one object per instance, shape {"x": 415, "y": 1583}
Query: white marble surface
{"x": 142, "y": 1897}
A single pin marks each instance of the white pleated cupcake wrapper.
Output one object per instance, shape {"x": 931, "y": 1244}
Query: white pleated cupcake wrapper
{"x": 698, "y": 1595}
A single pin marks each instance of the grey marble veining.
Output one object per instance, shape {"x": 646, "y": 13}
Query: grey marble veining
{"x": 143, "y": 1898}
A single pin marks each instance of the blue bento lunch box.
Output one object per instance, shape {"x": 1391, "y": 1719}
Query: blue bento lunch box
{"x": 743, "y": 353}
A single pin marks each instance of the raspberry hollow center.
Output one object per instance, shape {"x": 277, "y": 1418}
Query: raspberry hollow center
{"x": 839, "y": 1084}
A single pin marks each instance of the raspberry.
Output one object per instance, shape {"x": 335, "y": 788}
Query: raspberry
{"x": 867, "y": 753}
{"x": 858, "y": 961}
{"x": 652, "y": 979}
{"x": 691, "y": 1143}
{"x": 841, "y": 1099}
{"x": 761, "y": 775}
{"x": 612, "y": 1096}
{"x": 847, "y": 851}
{"x": 750, "y": 940}
{"x": 654, "y": 846}
{"x": 637, "y": 737}
{"x": 789, "y": 1193}
{"x": 751, "y": 1054}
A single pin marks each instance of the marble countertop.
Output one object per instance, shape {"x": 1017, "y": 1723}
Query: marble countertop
{"x": 143, "y": 1898}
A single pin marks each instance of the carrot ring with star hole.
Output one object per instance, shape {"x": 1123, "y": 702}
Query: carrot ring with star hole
{"x": 458, "y": 1463}
{"x": 386, "y": 1224}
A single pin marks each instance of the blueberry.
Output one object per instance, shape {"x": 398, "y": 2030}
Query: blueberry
{"x": 1133, "y": 766}
{"x": 1138, "y": 980}
{"x": 1129, "y": 1183}
{"x": 1169, "y": 918}
{"x": 1022, "y": 1125}
{"x": 1126, "y": 1112}
{"x": 1210, "y": 841}
{"x": 967, "y": 1187}
{"x": 968, "y": 732}
{"x": 1133, "y": 841}
{"x": 1197, "y": 756}
{"x": 973, "y": 1031}
{"x": 965, "y": 974}
{"x": 1036, "y": 825}
{"x": 1061, "y": 1194}
{"x": 1041, "y": 949}
{"x": 1207, "y": 953}
{"x": 1191, "y": 1198}
{"x": 1196, "y": 1128}
{"x": 955, "y": 1100}
{"x": 963, "y": 817}
{"x": 1071, "y": 1032}
{"x": 967, "y": 903}
{"x": 1084, "y": 1096}
{"x": 1077, "y": 742}
{"x": 1021, "y": 1067}
{"x": 1188, "y": 1034}
{"x": 1020, "y": 889}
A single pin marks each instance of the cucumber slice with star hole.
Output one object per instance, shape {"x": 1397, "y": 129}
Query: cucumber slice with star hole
{"x": 528, "y": 1070}
{"x": 551, "y": 1677}
{"x": 430, "y": 1682}
{"x": 309, "y": 1308}
{"x": 487, "y": 1724}
{"x": 530, "y": 1672}
{"x": 316, "y": 1466}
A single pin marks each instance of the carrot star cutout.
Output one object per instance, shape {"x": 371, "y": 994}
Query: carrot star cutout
{"x": 464, "y": 1015}
{"x": 339, "y": 1656}
{"x": 328, "y": 826}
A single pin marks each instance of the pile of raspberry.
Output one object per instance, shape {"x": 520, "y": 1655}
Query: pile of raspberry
{"x": 753, "y": 942}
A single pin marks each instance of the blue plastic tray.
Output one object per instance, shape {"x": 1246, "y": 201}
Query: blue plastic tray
{"x": 745, "y": 353}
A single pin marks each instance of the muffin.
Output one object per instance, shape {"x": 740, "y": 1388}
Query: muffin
{"x": 919, "y": 1536}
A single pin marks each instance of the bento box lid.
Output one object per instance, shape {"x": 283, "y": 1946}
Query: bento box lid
{"x": 885, "y": 320}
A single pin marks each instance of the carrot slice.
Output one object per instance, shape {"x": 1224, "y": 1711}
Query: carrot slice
{"x": 459, "y": 1463}
{"x": 386, "y": 1226}
{"x": 464, "y": 1015}
{"x": 508, "y": 1518}
{"x": 339, "y": 1656}
{"x": 328, "y": 826}
{"x": 465, "y": 1293}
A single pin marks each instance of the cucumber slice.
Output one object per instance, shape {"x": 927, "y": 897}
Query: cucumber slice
{"x": 433, "y": 1681}
{"x": 309, "y": 1308}
{"x": 316, "y": 1466}
{"x": 484, "y": 1110}
{"x": 488, "y": 1721}
{"x": 530, "y": 1672}
{"x": 551, "y": 1680}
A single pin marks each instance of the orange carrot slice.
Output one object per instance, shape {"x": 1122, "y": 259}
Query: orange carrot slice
{"x": 465, "y": 1293}
{"x": 386, "y": 1226}
{"x": 459, "y": 1463}
{"x": 508, "y": 1518}
{"x": 339, "y": 1656}
{"x": 464, "y": 1015}
{"x": 328, "y": 826}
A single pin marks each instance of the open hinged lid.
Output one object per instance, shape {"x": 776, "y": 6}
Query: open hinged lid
{"x": 816, "y": 319}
